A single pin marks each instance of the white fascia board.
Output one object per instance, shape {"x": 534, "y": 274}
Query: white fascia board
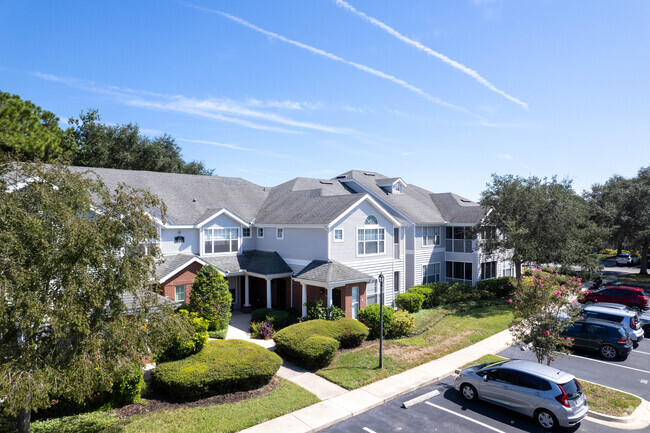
{"x": 372, "y": 194}
{"x": 373, "y": 203}
{"x": 227, "y": 212}
{"x": 180, "y": 268}
{"x": 270, "y": 276}
{"x": 292, "y": 226}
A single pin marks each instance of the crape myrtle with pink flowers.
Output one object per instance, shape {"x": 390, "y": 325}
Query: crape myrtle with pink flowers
{"x": 544, "y": 304}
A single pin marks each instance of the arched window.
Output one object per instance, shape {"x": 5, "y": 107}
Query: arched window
{"x": 371, "y": 220}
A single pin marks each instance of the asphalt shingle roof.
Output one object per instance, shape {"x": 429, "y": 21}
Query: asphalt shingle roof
{"x": 190, "y": 198}
{"x": 330, "y": 272}
{"x": 418, "y": 204}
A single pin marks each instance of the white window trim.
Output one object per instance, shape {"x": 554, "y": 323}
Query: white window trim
{"x": 342, "y": 235}
{"x": 260, "y": 230}
{"x": 424, "y": 244}
{"x": 356, "y": 240}
{"x": 204, "y": 240}
{"x": 279, "y": 230}
{"x": 439, "y": 271}
{"x": 250, "y": 232}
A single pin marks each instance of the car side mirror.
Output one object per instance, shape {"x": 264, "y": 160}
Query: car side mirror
{"x": 485, "y": 378}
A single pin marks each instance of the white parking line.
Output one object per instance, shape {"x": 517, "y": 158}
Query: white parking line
{"x": 464, "y": 417}
{"x": 609, "y": 363}
{"x": 366, "y": 429}
{"x": 640, "y": 351}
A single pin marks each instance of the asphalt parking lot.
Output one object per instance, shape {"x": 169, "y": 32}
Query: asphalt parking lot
{"x": 448, "y": 412}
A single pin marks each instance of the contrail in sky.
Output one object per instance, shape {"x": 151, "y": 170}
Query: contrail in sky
{"x": 323, "y": 53}
{"x": 454, "y": 64}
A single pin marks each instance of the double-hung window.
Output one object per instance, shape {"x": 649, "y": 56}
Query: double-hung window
{"x": 338, "y": 235}
{"x": 488, "y": 270}
{"x": 221, "y": 240}
{"x": 279, "y": 234}
{"x": 430, "y": 273}
{"x": 430, "y": 236}
{"x": 179, "y": 293}
{"x": 370, "y": 241}
{"x": 246, "y": 232}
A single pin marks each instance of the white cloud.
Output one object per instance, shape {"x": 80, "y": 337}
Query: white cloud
{"x": 453, "y": 63}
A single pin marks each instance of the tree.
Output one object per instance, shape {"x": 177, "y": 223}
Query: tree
{"x": 29, "y": 133}
{"x": 543, "y": 308}
{"x": 538, "y": 221}
{"x": 122, "y": 146}
{"x": 210, "y": 297}
{"x": 69, "y": 250}
{"x": 620, "y": 207}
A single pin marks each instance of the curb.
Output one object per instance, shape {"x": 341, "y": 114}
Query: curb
{"x": 643, "y": 407}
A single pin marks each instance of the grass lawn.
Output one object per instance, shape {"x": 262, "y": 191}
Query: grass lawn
{"x": 601, "y": 399}
{"x": 439, "y": 331}
{"x": 233, "y": 417}
{"x": 635, "y": 278}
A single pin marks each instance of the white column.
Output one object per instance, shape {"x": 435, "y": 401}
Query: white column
{"x": 329, "y": 297}
{"x": 246, "y": 292}
{"x": 268, "y": 293}
{"x": 304, "y": 300}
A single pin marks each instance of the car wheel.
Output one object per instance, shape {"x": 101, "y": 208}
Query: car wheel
{"x": 635, "y": 308}
{"x": 546, "y": 419}
{"x": 608, "y": 351}
{"x": 468, "y": 392}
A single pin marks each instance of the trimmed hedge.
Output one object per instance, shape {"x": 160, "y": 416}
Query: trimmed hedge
{"x": 369, "y": 316}
{"x": 221, "y": 367}
{"x": 499, "y": 287}
{"x": 297, "y": 341}
{"x": 278, "y": 318}
{"x": 403, "y": 324}
{"x": 84, "y": 423}
{"x": 410, "y": 301}
{"x": 442, "y": 293}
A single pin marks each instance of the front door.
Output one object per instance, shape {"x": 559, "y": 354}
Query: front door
{"x": 336, "y": 297}
{"x": 281, "y": 294}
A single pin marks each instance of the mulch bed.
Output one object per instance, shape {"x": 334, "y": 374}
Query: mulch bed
{"x": 155, "y": 403}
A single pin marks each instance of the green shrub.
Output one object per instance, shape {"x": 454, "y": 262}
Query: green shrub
{"x": 426, "y": 291}
{"x": 219, "y": 334}
{"x": 180, "y": 347}
{"x": 290, "y": 341}
{"x": 318, "y": 351}
{"x": 92, "y": 422}
{"x": 499, "y": 287}
{"x": 211, "y": 298}
{"x": 461, "y": 293}
{"x": 369, "y": 316}
{"x": 316, "y": 311}
{"x": 127, "y": 389}
{"x": 279, "y": 318}
{"x": 410, "y": 301}
{"x": 221, "y": 367}
{"x": 334, "y": 313}
{"x": 403, "y": 324}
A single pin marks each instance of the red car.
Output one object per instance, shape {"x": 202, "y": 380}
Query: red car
{"x": 633, "y": 297}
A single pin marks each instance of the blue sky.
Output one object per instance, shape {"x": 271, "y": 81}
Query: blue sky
{"x": 439, "y": 93}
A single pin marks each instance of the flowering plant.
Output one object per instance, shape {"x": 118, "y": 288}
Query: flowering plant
{"x": 544, "y": 305}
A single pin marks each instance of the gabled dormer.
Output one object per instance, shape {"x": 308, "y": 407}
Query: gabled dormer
{"x": 391, "y": 185}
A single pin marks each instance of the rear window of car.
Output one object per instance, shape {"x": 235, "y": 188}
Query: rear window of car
{"x": 621, "y": 333}
{"x": 604, "y": 316}
{"x": 623, "y": 256}
{"x": 572, "y": 388}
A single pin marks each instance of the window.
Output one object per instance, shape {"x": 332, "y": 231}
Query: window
{"x": 338, "y": 235}
{"x": 371, "y": 292}
{"x": 370, "y": 241}
{"x": 371, "y": 220}
{"x": 179, "y": 239}
{"x": 459, "y": 240}
{"x": 430, "y": 236}
{"x": 501, "y": 375}
{"x": 179, "y": 293}
{"x": 397, "y": 188}
{"x": 260, "y": 232}
{"x": 430, "y": 273}
{"x": 246, "y": 232}
{"x": 221, "y": 240}
{"x": 488, "y": 270}
{"x": 459, "y": 272}
{"x": 355, "y": 301}
{"x": 279, "y": 233}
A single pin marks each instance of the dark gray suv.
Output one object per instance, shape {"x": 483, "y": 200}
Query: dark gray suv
{"x": 609, "y": 338}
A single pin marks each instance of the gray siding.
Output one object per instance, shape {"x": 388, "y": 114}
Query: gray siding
{"x": 189, "y": 246}
{"x": 298, "y": 243}
{"x": 387, "y": 266}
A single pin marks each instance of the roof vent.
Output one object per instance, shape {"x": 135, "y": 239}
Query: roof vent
{"x": 193, "y": 200}
{"x": 369, "y": 174}
{"x": 464, "y": 200}
{"x": 341, "y": 177}
{"x": 326, "y": 182}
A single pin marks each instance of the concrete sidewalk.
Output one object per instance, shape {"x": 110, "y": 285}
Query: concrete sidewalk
{"x": 345, "y": 404}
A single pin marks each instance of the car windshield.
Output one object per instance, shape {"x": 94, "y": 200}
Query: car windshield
{"x": 572, "y": 388}
{"x": 623, "y": 256}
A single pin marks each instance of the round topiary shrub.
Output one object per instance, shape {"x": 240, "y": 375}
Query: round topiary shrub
{"x": 318, "y": 351}
{"x": 221, "y": 367}
{"x": 369, "y": 316}
{"x": 292, "y": 341}
{"x": 409, "y": 301}
{"x": 403, "y": 324}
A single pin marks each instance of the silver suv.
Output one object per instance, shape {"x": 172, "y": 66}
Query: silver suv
{"x": 629, "y": 319}
{"x": 551, "y": 396}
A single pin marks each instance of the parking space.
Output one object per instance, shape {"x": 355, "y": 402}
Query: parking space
{"x": 448, "y": 412}
{"x": 631, "y": 374}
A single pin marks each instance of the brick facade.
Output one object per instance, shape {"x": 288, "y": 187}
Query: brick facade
{"x": 185, "y": 277}
{"x": 314, "y": 293}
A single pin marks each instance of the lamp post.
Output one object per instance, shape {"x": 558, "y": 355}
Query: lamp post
{"x": 381, "y": 320}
